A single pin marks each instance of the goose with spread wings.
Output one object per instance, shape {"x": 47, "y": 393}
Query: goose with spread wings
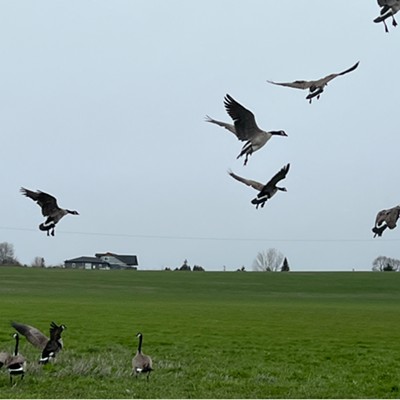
{"x": 386, "y": 219}
{"x": 49, "y": 346}
{"x": 266, "y": 191}
{"x": 50, "y": 209}
{"x": 315, "y": 87}
{"x": 245, "y": 127}
{"x": 388, "y": 9}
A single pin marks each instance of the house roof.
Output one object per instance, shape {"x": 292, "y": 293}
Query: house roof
{"x": 85, "y": 259}
{"x": 125, "y": 258}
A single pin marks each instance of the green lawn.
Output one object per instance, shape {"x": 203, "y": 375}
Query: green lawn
{"x": 210, "y": 334}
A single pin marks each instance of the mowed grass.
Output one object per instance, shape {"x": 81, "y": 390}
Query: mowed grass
{"x": 211, "y": 335}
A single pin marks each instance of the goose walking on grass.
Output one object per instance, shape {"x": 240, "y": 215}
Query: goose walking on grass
{"x": 141, "y": 363}
{"x": 50, "y": 209}
{"x": 265, "y": 191}
{"x": 15, "y": 363}
{"x": 49, "y": 347}
{"x": 245, "y": 127}
{"x": 386, "y": 219}
{"x": 315, "y": 87}
{"x": 388, "y": 9}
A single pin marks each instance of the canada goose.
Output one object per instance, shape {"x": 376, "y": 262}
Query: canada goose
{"x": 265, "y": 191}
{"x": 315, "y": 87}
{"x": 49, "y": 347}
{"x": 386, "y": 219}
{"x": 16, "y": 362}
{"x": 245, "y": 127}
{"x": 141, "y": 363}
{"x": 388, "y": 9}
{"x": 50, "y": 209}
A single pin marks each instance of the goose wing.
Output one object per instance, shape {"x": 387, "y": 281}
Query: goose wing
{"x": 33, "y": 335}
{"x": 278, "y": 177}
{"x": 244, "y": 120}
{"x": 4, "y": 357}
{"x": 328, "y": 78}
{"x": 47, "y": 202}
{"x": 254, "y": 184}
{"x": 296, "y": 84}
{"x": 387, "y": 3}
{"x": 225, "y": 125}
{"x": 389, "y": 217}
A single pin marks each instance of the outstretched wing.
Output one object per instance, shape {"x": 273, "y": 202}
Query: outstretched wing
{"x": 296, "y": 84}
{"x": 254, "y": 184}
{"x": 389, "y": 217}
{"x": 243, "y": 119}
{"x": 47, "y": 202}
{"x": 225, "y": 125}
{"x": 33, "y": 335}
{"x": 278, "y": 176}
{"x": 332, "y": 76}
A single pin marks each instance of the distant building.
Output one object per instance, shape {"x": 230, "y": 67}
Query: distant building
{"x": 103, "y": 261}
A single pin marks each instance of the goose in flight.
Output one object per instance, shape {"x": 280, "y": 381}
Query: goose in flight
{"x": 315, "y": 87}
{"x": 50, "y": 209}
{"x": 245, "y": 127}
{"x": 265, "y": 191}
{"x": 386, "y": 219}
{"x": 49, "y": 347}
{"x": 388, "y": 9}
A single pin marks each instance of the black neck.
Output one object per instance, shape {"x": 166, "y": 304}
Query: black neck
{"x": 140, "y": 344}
{"x": 16, "y": 345}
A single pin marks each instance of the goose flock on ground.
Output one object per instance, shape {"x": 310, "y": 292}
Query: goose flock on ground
{"x": 245, "y": 128}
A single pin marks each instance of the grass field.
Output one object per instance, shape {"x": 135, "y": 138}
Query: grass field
{"x": 211, "y": 335}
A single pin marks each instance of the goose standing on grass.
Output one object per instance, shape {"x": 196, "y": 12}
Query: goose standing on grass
{"x": 141, "y": 363}
{"x": 388, "y": 9}
{"x": 315, "y": 87}
{"x": 265, "y": 191}
{"x": 15, "y": 363}
{"x": 386, "y": 219}
{"x": 49, "y": 347}
{"x": 50, "y": 209}
{"x": 245, "y": 127}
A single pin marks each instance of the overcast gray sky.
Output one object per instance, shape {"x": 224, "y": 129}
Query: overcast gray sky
{"x": 103, "y": 103}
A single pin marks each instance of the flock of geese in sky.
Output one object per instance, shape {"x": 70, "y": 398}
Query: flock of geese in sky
{"x": 245, "y": 128}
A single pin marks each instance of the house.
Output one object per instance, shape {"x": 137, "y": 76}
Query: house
{"x": 103, "y": 261}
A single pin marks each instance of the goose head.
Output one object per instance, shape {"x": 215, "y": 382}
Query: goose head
{"x": 278, "y": 133}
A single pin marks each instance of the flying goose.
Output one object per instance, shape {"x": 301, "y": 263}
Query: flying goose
{"x": 388, "y": 9}
{"x": 245, "y": 127}
{"x": 265, "y": 191}
{"x": 49, "y": 347}
{"x": 315, "y": 87}
{"x": 141, "y": 363}
{"x": 50, "y": 209}
{"x": 15, "y": 363}
{"x": 386, "y": 219}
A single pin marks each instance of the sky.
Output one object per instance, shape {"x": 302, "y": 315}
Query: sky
{"x": 102, "y": 105}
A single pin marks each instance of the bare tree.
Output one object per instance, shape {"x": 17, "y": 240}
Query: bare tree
{"x": 38, "y": 262}
{"x": 383, "y": 263}
{"x": 268, "y": 260}
{"x": 7, "y": 256}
